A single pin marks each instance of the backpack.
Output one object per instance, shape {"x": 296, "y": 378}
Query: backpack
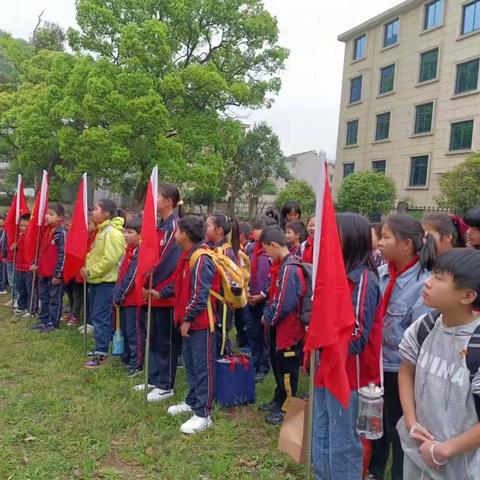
{"x": 305, "y": 306}
{"x": 473, "y": 349}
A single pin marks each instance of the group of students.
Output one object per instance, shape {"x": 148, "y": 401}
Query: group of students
{"x": 415, "y": 289}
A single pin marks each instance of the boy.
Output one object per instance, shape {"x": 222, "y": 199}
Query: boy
{"x": 23, "y": 275}
{"x": 287, "y": 287}
{"x": 51, "y": 260}
{"x": 296, "y": 234}
{"x": 439, "y": 379}
{"x": 124, "y": 296}
{"x": 3, "y": 257}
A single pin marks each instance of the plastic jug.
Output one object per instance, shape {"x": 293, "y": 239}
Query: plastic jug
{"x": 370, "y": 412}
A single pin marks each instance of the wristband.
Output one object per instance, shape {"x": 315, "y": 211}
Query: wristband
{"x": 432, "y": 453}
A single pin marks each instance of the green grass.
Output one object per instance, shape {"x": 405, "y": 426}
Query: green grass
{"x": 61, "y": 421}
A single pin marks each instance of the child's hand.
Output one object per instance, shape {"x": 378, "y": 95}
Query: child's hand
{"x": 83, "y": 272}
{"x": 420, "y": 434}
{"x": 33, "y": 268}
{"x": 56, "y": 281}
{"x": 254, "y": 299}
{"x": 430, "y": 449}
{"x": 185, "y": 328}
{"x": 13, "y": 246}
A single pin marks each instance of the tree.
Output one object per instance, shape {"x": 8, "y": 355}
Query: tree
{"x": 367, "y": 193}
{"x": 300, "y": 191}
{"x": 48, "y": 36}
{"x": 460, "y": 188}
{"x": 13, "y": 52}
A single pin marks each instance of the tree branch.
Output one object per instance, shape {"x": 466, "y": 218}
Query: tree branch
{"x": 35, "y": 30}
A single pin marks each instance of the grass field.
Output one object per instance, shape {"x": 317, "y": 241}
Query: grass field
{"x": 61, "y": 421}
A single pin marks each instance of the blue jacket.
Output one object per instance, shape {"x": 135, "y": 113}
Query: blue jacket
{"x": 405, "y": 306}
{"x": 3, "y": 244}
{"x": 124, "y": 291}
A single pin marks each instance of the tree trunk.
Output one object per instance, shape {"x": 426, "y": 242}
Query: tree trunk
{"x": 231, "y": 206}
{"x": 140, "y": 192}
{"x": 252, "y": 207}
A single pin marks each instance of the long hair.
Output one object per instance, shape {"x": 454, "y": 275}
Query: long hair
{"x": 170, "y": 191}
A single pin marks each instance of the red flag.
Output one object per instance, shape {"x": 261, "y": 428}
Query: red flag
{"x": 37, "y": 221}
{"x": 18, "y": 208}
{"x": 332, "y": 318}
{"x": 76, "y": 246}
{"x": 149, "y": 250}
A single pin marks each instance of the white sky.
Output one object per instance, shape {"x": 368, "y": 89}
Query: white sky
{"x": 305, "y": 114}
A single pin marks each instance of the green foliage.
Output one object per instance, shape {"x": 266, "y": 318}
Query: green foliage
{"x": 460, "y": 188}
{"x": 300, "y": 191}
{"x": 13, "y": 52}
{"x": 367, "y": 193}
{"x": 49, "y": 36}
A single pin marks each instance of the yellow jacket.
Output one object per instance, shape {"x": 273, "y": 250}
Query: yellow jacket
{"x": 107, "y": 250}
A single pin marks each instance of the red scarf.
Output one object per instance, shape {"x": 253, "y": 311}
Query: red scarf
{"x": 257, "y": 251}
{"x": 394, "y": 274}
{"x": 274, "y": 274}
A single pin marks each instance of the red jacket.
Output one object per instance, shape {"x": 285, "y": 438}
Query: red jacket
{"x": 51, "y": 255}
{"x": 307, "y": 250}
{"x": 21, "y": 264}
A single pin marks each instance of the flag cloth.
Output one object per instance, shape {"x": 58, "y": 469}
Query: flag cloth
{"x": 149, "y": 250}
{"x": 76, "y": 246}
{"x": 37, "y": 221}
{"x": 332, "y": 318}
{"x": 17, "y": 208}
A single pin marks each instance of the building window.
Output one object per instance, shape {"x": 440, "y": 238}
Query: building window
{"x": 390, "y": 35}
{"x": 352, "y": 132}
{"x": 467, "y": 76}
{"x": 355, "y": 89}
{"x": 359, "y": 47}
{"x": 471, "y": 17}
{"x": 428, "y": 65}
{"x": 379, "y": 166}
{"x": 383, "y": 126}
{"x": 423, "y": 118}
{"x": 461, "y": 135}
{"x": 419, "y": 171}
{"x": 433, "y": 14}
{"x": 387, "y": 79}
{"x": 348, "y": 169}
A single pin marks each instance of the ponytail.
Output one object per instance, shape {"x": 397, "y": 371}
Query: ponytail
{"x": 170, "y": 191}
{"x": 428, "y": 253}
{"x": 235, "y": 236}
{"x": 229, "y": 226}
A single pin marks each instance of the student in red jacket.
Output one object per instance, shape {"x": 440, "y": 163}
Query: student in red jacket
{"x": 23, "y": 275}
{"x": 51, "y": 260}
{"x": 3, "y": 257}
{"x": 192, "y": 295}
{"x": 306, "y": 249}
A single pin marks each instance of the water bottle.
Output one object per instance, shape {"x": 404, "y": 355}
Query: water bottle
{"x": 370, "y": 412}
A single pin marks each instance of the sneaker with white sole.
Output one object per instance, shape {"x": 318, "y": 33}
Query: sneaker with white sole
{"x": 157, "y": 395}
{"x": 141, "y": 387}
{"x": 3, "y": 292}
{"x": 179, "y": 409}
{"x": 196, "y": 424}
{"x": 90, "y": 329}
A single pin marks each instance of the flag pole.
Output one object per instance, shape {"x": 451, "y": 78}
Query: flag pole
{"x": 85, "y": 310}
{"x": 311, "y": 392}
{"x": 147, "y": 341}
{"x": 32, "y": 294}
{"x": 14, "y": 267}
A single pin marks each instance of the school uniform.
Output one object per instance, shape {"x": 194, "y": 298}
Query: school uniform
{"x": 51, "y": 261}
{"x": 3, "y": 260}
{"x": 125, "y": 295}
{"x": 10, "y": 267}
{"x": 24, "y": 277}
{"x": 306, "y": 250}
{"x": 296, "y": 251}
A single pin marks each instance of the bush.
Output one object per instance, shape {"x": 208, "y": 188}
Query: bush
{"x": 301, "y": 192}
{"x": 367, "y": 193}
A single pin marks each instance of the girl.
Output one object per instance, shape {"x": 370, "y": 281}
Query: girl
{"x": 376, "y": 236}
{"x": 337, "y": 448}
{"x": 290, "y": 211}
{"x": 410, "y": 253}
{"x": 295, "y": 233}
{"x": 165, "y": 341}
{"x": 472, "y": 219}
{"x": 307, "y": 245}
{"x": 101, "y": 273}
{"x": 3, "y": 257}
{"x": 192, "y": 291}
{"x": 447, "y": 230}
{"x": 272, "y": 213}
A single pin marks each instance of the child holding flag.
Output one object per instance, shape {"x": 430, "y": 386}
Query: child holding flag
{"x": 3, "y": 257}
{"x": 23, "y": 275}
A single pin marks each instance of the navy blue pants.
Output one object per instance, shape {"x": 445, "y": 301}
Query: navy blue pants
{"x": 199, "y": 357}
{"x": 101, "y": 309}
{"x": 165, "y": 343}
{"x": 130, "y": 324}
{"x": 23, "y": 287}
{"x": 240, "y": 326}
{"x": 51, "y": 301}
{"x": 256, "y": 337}
{"x": 3, "y": 276}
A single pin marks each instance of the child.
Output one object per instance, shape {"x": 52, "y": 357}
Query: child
{"x": 306, "y": 249}
{"x": 410, "y": 253}
{"x": 281, "y": 315}
{"x": 439, "y": 379}
{"x": 3, "y": 257}
{"x": 260, "y": 266}
{"x": 101, "y": 273}
{"x": 165, "y": 339}
{"x": 23, "y": 275}
{"x": 245, "y": 234}
{"x": 192, "y": 291}
{"x": 336, "y": 445}
{"x": 376, "y": 236}
{"x": 447, "y": 230}
{"x": 125, "y": 296}
{"x": 472, "y": 219}
{"x": 296, "y": 234}
{"x": 51, "y": 260}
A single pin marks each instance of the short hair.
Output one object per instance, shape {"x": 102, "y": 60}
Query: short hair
{"x": 25, "y": 217}
{"x": 377, "y": 226}
{"x": 193, "y": 227}
{"x": 134, "y": 223}
{"x": 58, "y": 208}
{"x": 298, "y": 227}
{"x": 463, "y": 264}
{"x": 272, "y": 234}
{"x": 245, "y": 228}
{"x": 472, "y": 217}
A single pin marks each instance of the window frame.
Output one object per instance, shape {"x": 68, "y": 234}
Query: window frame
{"x": 387, "y": 138}
{"x": 427, "y": 5}
{"x": 421, "y": 55}
{"x": 456, "y": 92}
{"x": 349, "y": 164}
{"x": 384, "y": 166}
{"x": 350, "y": 101}
{"x": 380, "y": 93}
{"x": 415, "y": 118}
{"x": 451, "y": 139}
{"x": 385, "y": 30}
{"x": 427, "y": 172}
{"x": 463, "y": 33}
{"x": 354, "y": 58}
{"x": 349, "y": 122}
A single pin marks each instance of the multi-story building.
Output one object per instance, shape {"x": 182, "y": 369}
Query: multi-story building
{"x": 411, "y": 95}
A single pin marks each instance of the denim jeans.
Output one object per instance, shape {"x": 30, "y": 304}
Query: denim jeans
{"x": 10, "y": 270}
{"x": 101, "y": 310}
{"x": 337, "y": 449}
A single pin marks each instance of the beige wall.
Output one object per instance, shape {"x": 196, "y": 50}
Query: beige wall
{"x": 407, "y": 93}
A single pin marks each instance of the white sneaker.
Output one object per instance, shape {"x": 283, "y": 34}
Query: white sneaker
{"x": 179, "y": 409}
{"x": 90, "y": 329}
{"x": 141, "y": 387}
{"x": 196, "y": 424}
{"x": 8, "y": 304}
{"x": 157, "y": 395}
{"x": 3, "y": 292}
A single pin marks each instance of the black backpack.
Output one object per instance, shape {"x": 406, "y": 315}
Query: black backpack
{"x": 473, "y": 349}
{"x": 305, "y": 307}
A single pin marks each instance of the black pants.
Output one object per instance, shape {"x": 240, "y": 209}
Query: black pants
{"x": 286, "y": 368}
{"x": 51, "y": 301}
{"x": 256, "y": 337}
{"x": 392, "y": 413}
{"x": 165, "y": 342}
{"x": 130, "y": 324}
{"x": 240, "y": 326}
{"x": 23, "y": 286}
{"x": 220, "y": 338}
